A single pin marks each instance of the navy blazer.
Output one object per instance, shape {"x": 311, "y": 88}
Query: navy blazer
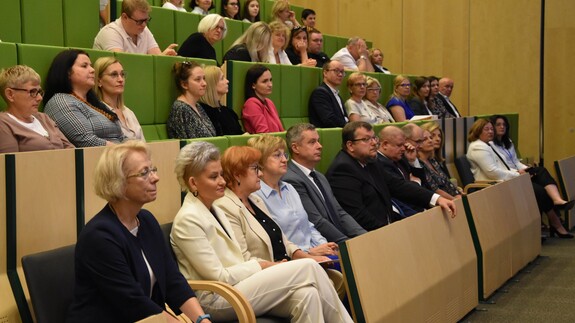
{"x": 365, "y": 192}
{"x": 112, "y": 279}
{"x": 316, "y": 207}
{"x": 324, "y": 110}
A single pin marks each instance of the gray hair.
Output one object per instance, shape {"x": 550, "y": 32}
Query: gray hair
{"x": 409, "y": 129}
{"x": 210, "y": 22}
{"x": 293, "y": 134}
{"x": 192, "y": 160}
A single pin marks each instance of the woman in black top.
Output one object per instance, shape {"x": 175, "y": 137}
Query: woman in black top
{"x": 253, "y": 45}
{"x": 211, "y": 29}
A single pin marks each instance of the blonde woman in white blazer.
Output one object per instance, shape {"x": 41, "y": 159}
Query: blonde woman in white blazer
{"x": 204, "y": 243}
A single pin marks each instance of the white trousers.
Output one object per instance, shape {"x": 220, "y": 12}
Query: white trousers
{"x": 298, "y": 289}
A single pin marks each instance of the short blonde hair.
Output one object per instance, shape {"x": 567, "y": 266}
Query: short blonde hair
{"x": 235, "y": 161}
{"x": 16, "y": 76}
{"x": 110, "y": 172}
{"x": 192, "y": 160}
{"x": 276, "y": 26}
{"x": 396, "y": 83}
{"x": 354, "y": 77}
{"x": 210, "y": 22}
{"x": 277, "y": 7}
{"x": 100, "y": 67}
{"x": 267, "y": 144}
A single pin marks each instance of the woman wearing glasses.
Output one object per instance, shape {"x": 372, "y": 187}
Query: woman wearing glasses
{"x": 371, "y": 99}
{"x": 355, "y": 107}
{"x": 231, "y": 9}
{"x": 211, "y": 29}
{"x": 71, "y": 102}
{"x": 22, "y": 126}
{"x": 109, "y": 86}
{"x": 397, "y": 104}
{"x": 124, "y": 269}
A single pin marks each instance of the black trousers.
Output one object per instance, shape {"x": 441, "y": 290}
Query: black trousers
{"x": 540, "y": 179}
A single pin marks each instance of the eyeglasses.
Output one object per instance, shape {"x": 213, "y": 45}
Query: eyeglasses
{"x": 279, "y": 155}
{"x": 405, "y": 85}
{"x": 220, "y": 28}
{"x": 360, "y": 84}
{"x": 115, "y": 75}
{"x": 139, "y": 22}
{"x": 256, "y": 168}
{"x": 32, "y": 92}
{"x": 145, "y": 173}
{"x": 337, "y": 71}
{"x": 374, "y": 89}
{"x": 367, "y": 139}
{"x": 235, "y": 4}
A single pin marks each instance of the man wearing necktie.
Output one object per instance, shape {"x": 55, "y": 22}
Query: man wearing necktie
{"x": 445, "y": 89}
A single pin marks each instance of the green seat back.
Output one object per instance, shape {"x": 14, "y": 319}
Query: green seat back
{"x": 236, "y": 74}
{"x": 39, "y": 57}
{"x": 162, "y": 26}
{"x": 80, "y": 23}
{"x": 288, "y": 122}
{"x": 150, "y": 133}
{"x": 96, "y": 53}
{"x": 42, "y": 22}
{"x": 341, "y": 42}
{"x": 185, "y": 24}
{"x": 235, "y": 30}
{"x": 162, "y": 131}
{"x": 330, "y": 139}
{"x": 386, "y": 81}
{"x": 8, "y": 57}
{"x": 10, "y": 15}
{"x": 164, "y": 86}
{"x": 330, "y": 45}
{"x": 288, "y": 84}
{"x": 139, "y": 89}
{"x": 221, "y": 142}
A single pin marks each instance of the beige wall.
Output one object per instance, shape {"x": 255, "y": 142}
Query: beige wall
{"x": 489, "y": 47}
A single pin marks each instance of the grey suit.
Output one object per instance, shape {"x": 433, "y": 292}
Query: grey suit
{"x": 316, "y": 208}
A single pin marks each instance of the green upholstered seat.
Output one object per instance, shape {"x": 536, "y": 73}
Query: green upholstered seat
{"x": 235, "y": 30}
{"x": 240, "y": 140}
{"x": 288, "y": 84}
{"x": 162, "y": 26}
{"x": 164, "y": 87}
{"x": 330, "y": 139}
{"x": 8, "y": 57}
{"x": 139, "y": 89}
{"x": 42, "y": 22}
{"x": 236, "y": 74}
{"x": 386, "y": 81}
{"x": 221, "y": 142}
{"x": 150, "y": 133}
{"x": 39, "y": 57}
{"x": 185, "y": 24}
{"x": 330, "y": 44}
{"x": 162, "y": 131}
{"x": 80, "y": 23}
{"x": 11, "y": 30}
{"x": 96, "y": 53}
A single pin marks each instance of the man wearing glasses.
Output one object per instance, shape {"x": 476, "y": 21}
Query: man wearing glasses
{"x": 130, "y": 32}
{"x": 325, "y": 106}
{"x": 364, "y": 190}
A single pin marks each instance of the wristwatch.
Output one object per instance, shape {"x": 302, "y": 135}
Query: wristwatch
{"x": 362, "y": 57}
{"x": 203, "y": 317}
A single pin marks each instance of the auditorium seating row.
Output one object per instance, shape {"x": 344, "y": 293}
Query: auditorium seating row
{"x": 565, "y": 169}
{"x": 45, "y": 208}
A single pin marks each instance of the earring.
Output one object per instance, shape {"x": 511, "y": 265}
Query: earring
{"x": 195, "y": 193}
{"x": 238, "y": 182}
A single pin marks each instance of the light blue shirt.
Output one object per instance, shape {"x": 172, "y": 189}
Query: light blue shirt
{"x": 289, "y": 213}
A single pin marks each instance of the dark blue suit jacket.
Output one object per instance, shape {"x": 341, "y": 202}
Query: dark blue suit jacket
{"x": 324, "y": 110}
{"x": 112, "y": 279}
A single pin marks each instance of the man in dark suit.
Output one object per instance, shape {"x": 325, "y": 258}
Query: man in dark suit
{"x": 445, "y": 89}
{"x": 362, "y": 187}
{"x": 325, "y": 106}
{"x": 322, "y": 208}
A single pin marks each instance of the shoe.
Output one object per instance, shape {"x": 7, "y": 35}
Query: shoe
{"x": 565, "y": 206}
{"x": 553, "y": 232}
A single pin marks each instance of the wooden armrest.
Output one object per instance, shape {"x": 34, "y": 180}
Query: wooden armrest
{"x": 239, "y": 303}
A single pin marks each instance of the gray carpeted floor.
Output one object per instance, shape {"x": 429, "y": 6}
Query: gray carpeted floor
{"x": 544, "y": 291}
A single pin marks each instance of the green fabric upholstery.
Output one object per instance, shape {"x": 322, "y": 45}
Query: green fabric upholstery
{"x": 96, "y": 53}
{"x": 330, "y": 139}
{"x": 162, "y": 131}
{"x": 10, "y": 16}
{"x": 185, "y": 24}
{"x": 310, "y": 78}
{"x": 235, "y": 30}
{"x": 80, "y": 23}
{"x": 8, "y": 57}
{"x": 330, "y": 44}
{"x": 162, "y": 26}
{"x": 288, "y": 122}
{"x": 39, "y": 57}
{"x": 236, "y": 74}
{"x": 139, "y": 89}
{"x": 341, "y": 42}
{"x": 164, "y": 86}
{"x": 288, "y": 84}
{"x": 42, "y": 22}
{"x": 150, "y": 133}
{"x": 386, "y": 81}
{"x": 240, "y": 140}
{"x": 221, "y": 142}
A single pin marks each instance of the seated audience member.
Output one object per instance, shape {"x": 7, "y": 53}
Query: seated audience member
{"x": 325, "y": 106}
{"x": 397, "y": 104}
{"x": 297, "y": 48}
{"x": 211, "y": 29}
{"x": 376, "y": 59}
{"x": 486, "y": 165}
{"x": 259, "y": 113}
{"x": 174, "y": 5}
{"x": 354, "y": 56}
{"x": 504, "y": 149}
{"x": 230, "y": 9}
{"x": 276, "y": 52}
{"x": 71, "y": 102}
{"x": 201, "y": 7}
{"x": 283, "y": 201}
{"x": 130, "y": 32}
{"x": 104, "y": 16}
{"x": 445, "y": 89}
{"x": 251, "y": 12}
{"x": 224, "y": 119}
{"x": 206, "y": 248}
{"x": 391, "y": 153}
{"x": 435, "y": 103}
{"x": 187, "y": 119}
{"x": 308, "y": 18}
{"x": 315, "y": 47}
{"x": 377, "y": 111}
{"x": 124, "y": 269}
{"x": 362, "y": 187}
{"x": 109, "y": 86}
{"x": 22, "y": 126}
{"x": 437, "y": 138}
{"x": 257, "y": 233}
{"x": 281, "y": 12}
{"x": 419, "y": 103}
{"x": 252, "y": 46}
{"x": 322, "y": 209}
{"x": 436, "y": 180}
{"x": 355, "y": 106}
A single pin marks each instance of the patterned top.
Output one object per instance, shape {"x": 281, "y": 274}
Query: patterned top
{"x": 81, "y": 124}
{"x": 380, "y": 112}
{"x": 439, "y": 109}
{"x": 436, "y": 179}
{"x": 184, "y": 122}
